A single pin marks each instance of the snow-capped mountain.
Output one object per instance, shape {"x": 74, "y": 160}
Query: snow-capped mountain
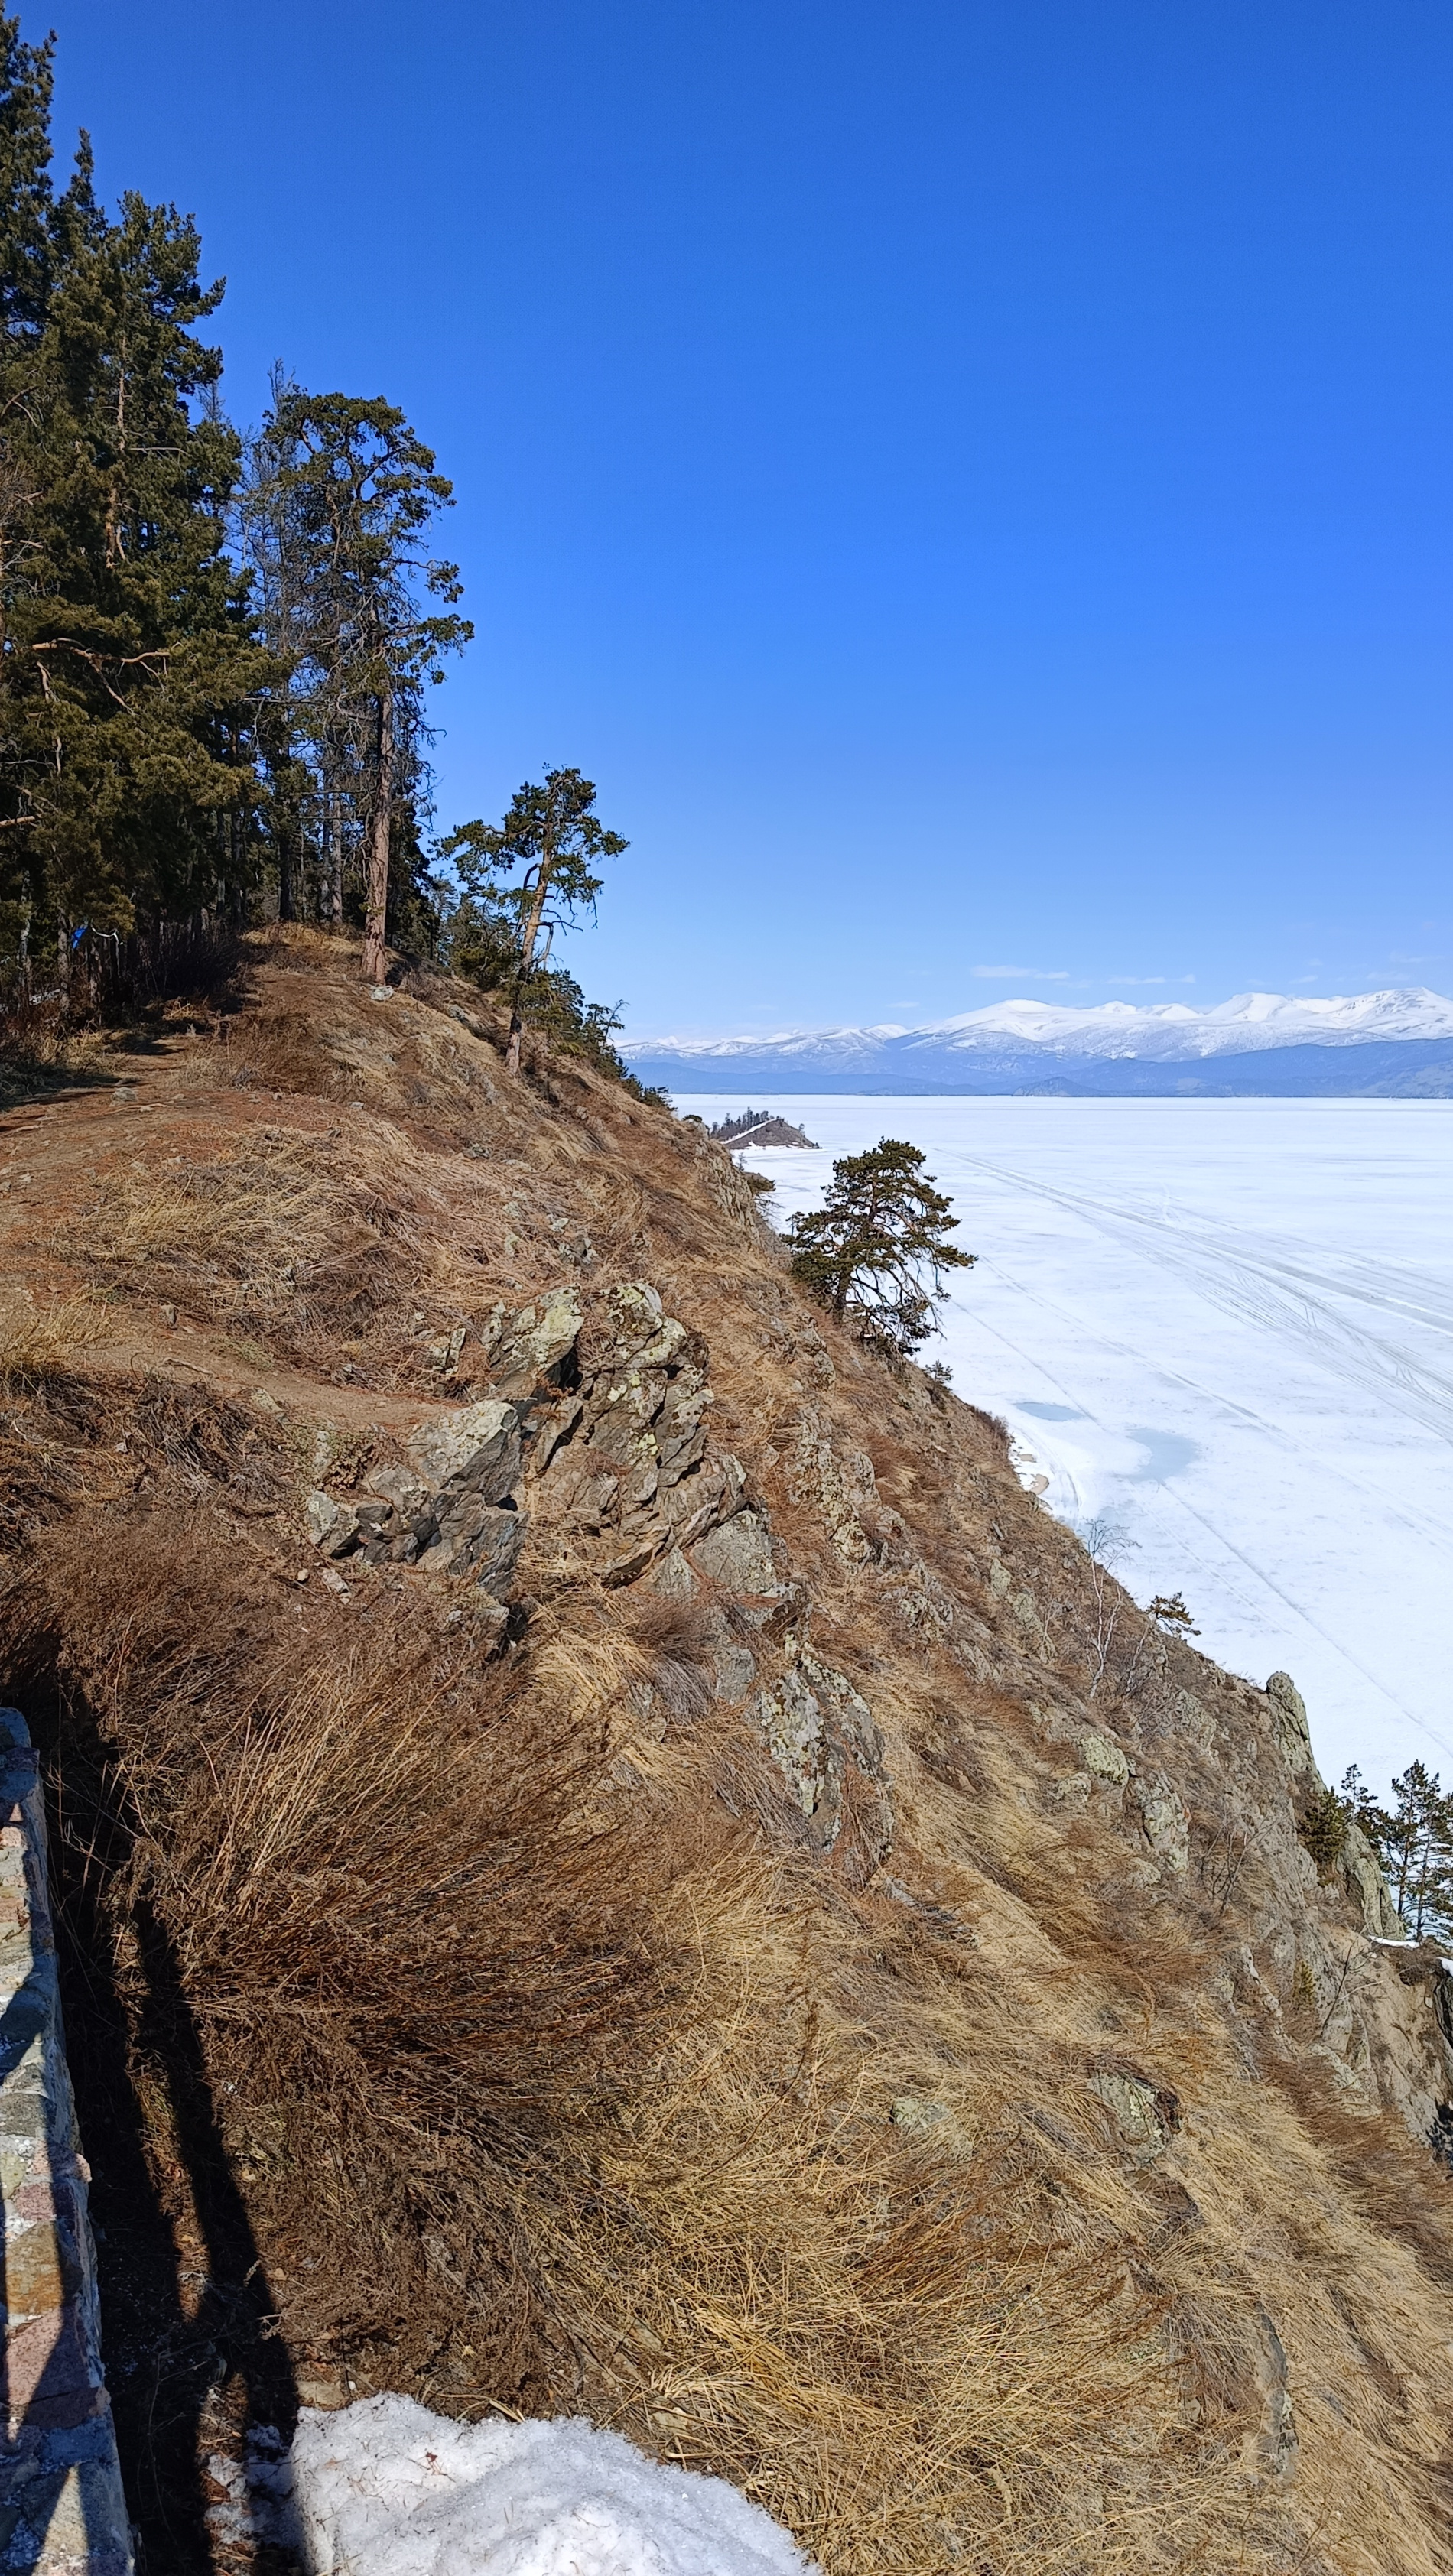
{"x": 1401, "y": 1037}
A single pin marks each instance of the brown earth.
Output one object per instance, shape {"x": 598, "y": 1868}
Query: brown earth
{"x": 793, "y": 1963}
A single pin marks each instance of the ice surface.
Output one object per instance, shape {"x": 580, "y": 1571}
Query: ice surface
{"x": 1226, "y": 1327}
{"x": 385, "y": 2488}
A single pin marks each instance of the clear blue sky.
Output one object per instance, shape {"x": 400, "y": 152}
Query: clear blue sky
{"x": 971, "y": 482}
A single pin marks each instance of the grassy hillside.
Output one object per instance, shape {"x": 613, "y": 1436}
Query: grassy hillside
{"x": 793, "y": 1964}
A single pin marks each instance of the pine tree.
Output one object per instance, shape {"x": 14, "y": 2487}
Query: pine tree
{"x": 339, "y": 495}
{"x": 880, "y": 1233}
{"x": 1413, "y": 1843}
{"x": 553, "y": 835}
{"x": 128, "y": 669}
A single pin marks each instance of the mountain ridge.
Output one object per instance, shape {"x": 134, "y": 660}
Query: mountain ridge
{"x": 1254, "y": 1044}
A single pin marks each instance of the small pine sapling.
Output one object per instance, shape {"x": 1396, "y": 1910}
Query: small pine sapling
{"x": 1170, "y": 1609}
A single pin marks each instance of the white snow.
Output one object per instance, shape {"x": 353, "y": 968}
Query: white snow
{"x": 1161, "y": 1030}
{"x": 1174, "y": 1029}
{"x": 385, "y": 2488}
{"x": 1225, "y": 1327}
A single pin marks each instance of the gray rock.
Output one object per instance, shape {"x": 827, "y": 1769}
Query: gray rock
{"x": 920, "y": 2117}
{"x": 1133, "y": 2107}
{"x": 523, "y": 1347}
{"x": 1367, "y": 1886}
{"x": 790, "y": 1717}
{"x": 737, "y": 1554}
{"x": 734, "y": 1670}
{"x": 407, "y": 1493}
{"x": 475, "y": 1449}
{"x": 1289, "y": 1721}
{"x": 816, "y": 1725}
{"x": 673, "y": 1577}
{"x": 1164, "y": 1821}
{"x": 1102, "y": 1759}
{"x": 627, "y": 1328}
{"x": 1275, "y": 2446}
{"x": 444, "y": 1354}
{"x": 478, "y": 1539}
{"x": 332, "y": 1526}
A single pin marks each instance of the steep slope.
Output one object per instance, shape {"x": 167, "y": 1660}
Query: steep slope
{"x": 614, "y": 1860}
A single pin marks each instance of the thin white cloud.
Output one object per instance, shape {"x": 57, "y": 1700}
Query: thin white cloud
{"x": 1022, "y": 974}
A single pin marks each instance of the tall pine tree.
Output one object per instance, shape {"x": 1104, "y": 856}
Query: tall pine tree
{"x": 339, "y": 496}
{"x": 129, "y": 672}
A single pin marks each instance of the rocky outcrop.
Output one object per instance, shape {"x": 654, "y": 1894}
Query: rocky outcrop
{"x": 597, "y": 1431}
{"x": 623, "y": 1470}
{"x": 590, "y": 1456}
{"x": 823, "y": 1738}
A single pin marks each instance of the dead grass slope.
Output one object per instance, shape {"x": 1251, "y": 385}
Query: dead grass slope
{"x": 468, "y": 2018}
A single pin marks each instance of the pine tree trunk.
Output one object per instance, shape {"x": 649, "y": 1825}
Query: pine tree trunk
{"x": 335, "y": 862}
{"x": 528, "y": 937}
{"x": 375, "y": 919}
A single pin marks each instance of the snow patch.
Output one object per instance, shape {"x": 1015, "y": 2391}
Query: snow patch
{"x": 385, "y": 2488}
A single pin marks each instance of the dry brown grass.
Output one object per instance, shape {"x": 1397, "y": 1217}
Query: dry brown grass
{"x": 552, "y": 2080}
{"x": 43, "y": 1345}
{"x": 617, "y": 2061}
{"x": 274, "y": 1234}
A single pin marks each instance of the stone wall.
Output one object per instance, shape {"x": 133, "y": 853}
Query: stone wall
{"x": 62, "y": 2512}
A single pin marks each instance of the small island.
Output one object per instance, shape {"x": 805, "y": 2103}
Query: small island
{"x": 759, "y": 1127}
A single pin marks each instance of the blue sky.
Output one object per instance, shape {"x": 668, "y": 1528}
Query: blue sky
{"x": 971, "y": 482}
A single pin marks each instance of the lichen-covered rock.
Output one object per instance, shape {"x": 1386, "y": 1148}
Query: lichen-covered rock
{"x": 524, "y": 1346}
{"x": 1143, "y": 2112}
{"x": 1102, "y": 1759}
{"x": 931, "y": 2123}
{"x": 1164, "y": 1821}
{"x": 332, "y": 1526}
{"x": 824, "y": 1739}
{"x": 737, "y": 1554}
{"x": 838, "y": 1482}
{"x": 623, "y": 1474}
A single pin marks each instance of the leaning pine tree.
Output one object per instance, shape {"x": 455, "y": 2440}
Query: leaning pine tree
{"x": 877, "y": 1248}
{"x": 553, "y": 836}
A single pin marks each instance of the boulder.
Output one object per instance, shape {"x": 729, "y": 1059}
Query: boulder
{"x": 1102, "y": 1759}
{"x": 473, "y": 1449}
{"x": 478, "y": 1539}
{"x": 737, "y": 1554}
{"x": 524, "y": 1347}
{"x": 332, "y": 1526}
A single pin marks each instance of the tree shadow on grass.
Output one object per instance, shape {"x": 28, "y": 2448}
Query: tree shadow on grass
{"x": 175, "y": 2344}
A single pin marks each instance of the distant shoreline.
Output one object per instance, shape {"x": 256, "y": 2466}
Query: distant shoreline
{"x": 1389, "y": 1069}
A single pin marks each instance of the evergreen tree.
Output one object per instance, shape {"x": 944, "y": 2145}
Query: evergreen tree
{"x": 879, "y": 1236}
{"x": 554, "y": 837}
{"x": 339, "y": 495}
{"x": 128, "y": 669}
{"x": 1417, "y": 1844}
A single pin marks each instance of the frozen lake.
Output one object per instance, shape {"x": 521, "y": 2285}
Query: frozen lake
{"x": 1226, "y": 1329}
